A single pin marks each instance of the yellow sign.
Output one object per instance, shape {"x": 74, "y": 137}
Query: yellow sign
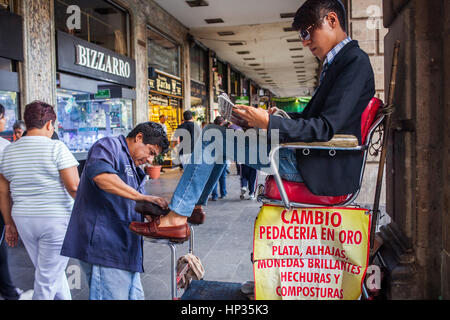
{"x": 310, "y": 253}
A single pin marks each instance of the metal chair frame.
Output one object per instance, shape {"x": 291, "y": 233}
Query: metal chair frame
{"x": 174, "y": 275}
{"x": 306, "y": 147}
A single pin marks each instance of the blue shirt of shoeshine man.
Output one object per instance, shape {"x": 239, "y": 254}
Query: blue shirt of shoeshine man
{"x": 98, "y": 229}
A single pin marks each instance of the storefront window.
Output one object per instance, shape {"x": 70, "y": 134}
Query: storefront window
{"x": 170, "y": 107}
{"x": 198, "y": 64}
{"x": 163, "y": 54}
{"x": 101, "y": 22}
{"x": 5, "y": 64}
{"x": 222, "y": 70}
{"x": 235, "y": 79}
{"x": 9, "y": 100}
{"x": 83, "y": 118}
{"x": 6, "y": 4}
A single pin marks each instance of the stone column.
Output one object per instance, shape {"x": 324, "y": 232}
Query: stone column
{"x": 418, "y": 163}
{"x": 139, "y": 40}
{"x": 39, "y": 70}
{"x": 186, "y": 75}
{"x": 365, "y": 21}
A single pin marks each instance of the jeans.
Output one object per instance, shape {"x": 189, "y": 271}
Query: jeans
{"x": 199, "y": 178}
{"x": 222, "y": 183}
{"x": 112, "y": 284}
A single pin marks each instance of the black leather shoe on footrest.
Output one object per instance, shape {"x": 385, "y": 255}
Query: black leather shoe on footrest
{"x": 150, "y": 209}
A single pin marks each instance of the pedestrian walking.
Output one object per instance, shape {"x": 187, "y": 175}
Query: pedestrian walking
{"x": 40, "y": 176}
{"x": 7, "y": 288}
{"x": 248, "y": 181}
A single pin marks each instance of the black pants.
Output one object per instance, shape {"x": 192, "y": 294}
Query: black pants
{"x": 6, "y": 285}
{"x": 248, "y": 177}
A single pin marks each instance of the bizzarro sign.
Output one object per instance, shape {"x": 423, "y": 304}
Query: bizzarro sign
{"x": 81, "y": 57}
{"x": 98, "y": 60}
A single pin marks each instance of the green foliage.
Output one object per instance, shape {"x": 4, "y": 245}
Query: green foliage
{"x": 158, "y": 160}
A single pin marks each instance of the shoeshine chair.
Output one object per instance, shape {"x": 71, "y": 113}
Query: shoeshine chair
{"x": 292, "y": 194}
{"x": 174, "y": 275}
{"x": 280, "y": 192}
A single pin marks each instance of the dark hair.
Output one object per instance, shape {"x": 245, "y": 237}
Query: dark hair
{"x": 19, "y": 124}
{"x": 2, "y": 109}
{"x": 312, "y": 10}
{"x": 187, "y": 115}
{"x": 37, "y": 114}
{"x": 219, "y": 120}
{"x": 153, "y": 133}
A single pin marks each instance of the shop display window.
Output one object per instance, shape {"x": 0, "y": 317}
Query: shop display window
{"x": 161, "y": 105}
{"x": 163, "y": 54}
{"x": 5, "y": 64}
{"x": 198, "y": 59}
{"x": 83, "y": 119}
{"x": 6, "y": 4}
{"x": 9, "y": 100}
{"x": 171, "y": 108}
{"x": 101, "y": 22}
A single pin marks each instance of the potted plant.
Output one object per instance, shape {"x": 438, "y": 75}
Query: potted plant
{"x": 154, "y": 170}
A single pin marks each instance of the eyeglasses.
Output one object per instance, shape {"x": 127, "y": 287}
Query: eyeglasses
{"x": 305, "y": 35}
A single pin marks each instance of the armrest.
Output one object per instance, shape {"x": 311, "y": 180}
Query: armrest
{"x": 339, "y": 141}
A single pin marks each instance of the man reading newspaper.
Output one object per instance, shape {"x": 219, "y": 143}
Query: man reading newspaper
{"x": 346, "y": 87}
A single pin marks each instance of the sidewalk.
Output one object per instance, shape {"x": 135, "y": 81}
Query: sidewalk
{"x": 223, "y": 244}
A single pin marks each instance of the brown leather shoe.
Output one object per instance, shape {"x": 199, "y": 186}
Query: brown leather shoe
{"x": 151, "y": 229}
{"x": 198, "y": 216}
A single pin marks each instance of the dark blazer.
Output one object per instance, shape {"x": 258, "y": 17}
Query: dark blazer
{"x": 336, "y": 108}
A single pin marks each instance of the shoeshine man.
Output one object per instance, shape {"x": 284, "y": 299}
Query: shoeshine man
{"x": 346, "y": 87}
{"x": 97, "y": 235}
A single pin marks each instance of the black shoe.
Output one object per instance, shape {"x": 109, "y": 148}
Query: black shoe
{"x": 150, "y": 209}
{"x": 12, "y": 295}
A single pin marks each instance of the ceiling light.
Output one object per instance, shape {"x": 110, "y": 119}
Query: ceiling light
{"x": 235, "y": 43}
{"x": 197, "y": 3}
{"x": 293, "y": 40}
{"x": 248, "y": 59}
{"x": 243, "y": 52}
{"x": 287, "y": 15}
{"x": 225, "y": 33}
{"x": 295, "y": 57}
{"x": 259, "y": 69}
{"x": 288, "y": 29}
{"x": 296, "y": 62}
{"x": 296, "y": 49}
{"x": 254, "y": 64}
{"x": 216, "y": 20}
